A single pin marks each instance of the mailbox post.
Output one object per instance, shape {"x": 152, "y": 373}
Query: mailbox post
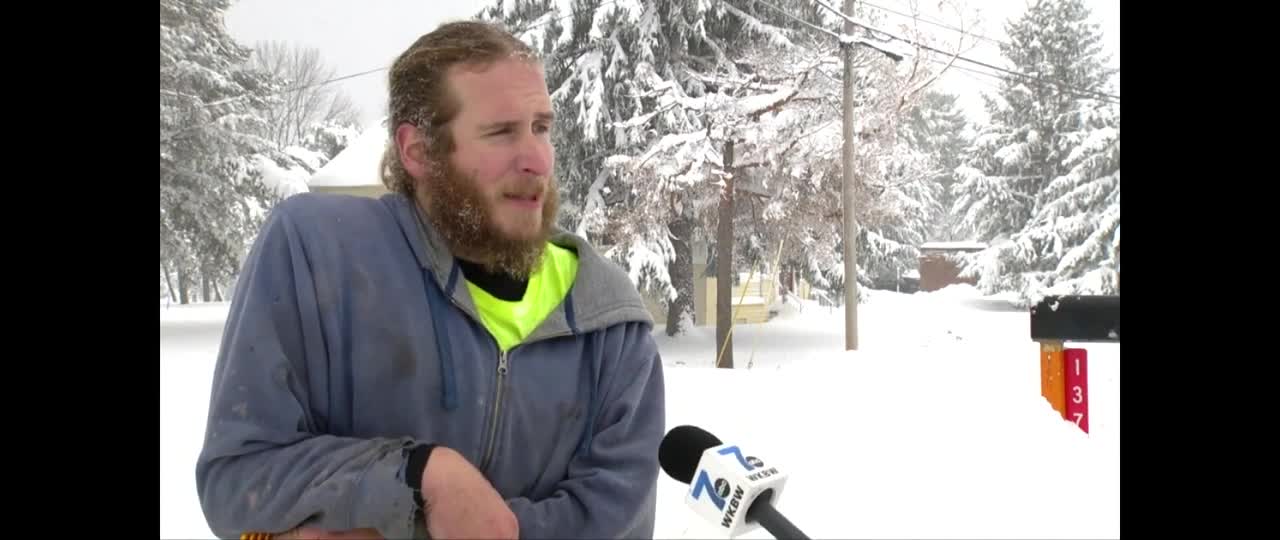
{"x": 1056, "y": 322}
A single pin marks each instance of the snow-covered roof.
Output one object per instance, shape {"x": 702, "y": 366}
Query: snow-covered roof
{"x": 954, "y": 246}
{"x": 357, "y": 164}
{"x": 285, "y": 182}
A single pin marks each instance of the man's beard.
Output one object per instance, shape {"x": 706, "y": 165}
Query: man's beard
{"x": 464, "y": 218}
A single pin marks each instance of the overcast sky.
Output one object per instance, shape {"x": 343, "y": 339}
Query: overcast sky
{"x": 358, "y": 36}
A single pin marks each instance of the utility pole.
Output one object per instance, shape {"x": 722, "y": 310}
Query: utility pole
{"x": 850, "y": 224}
{"x": 724, "y": 267}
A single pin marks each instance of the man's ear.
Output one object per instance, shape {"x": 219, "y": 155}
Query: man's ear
{"x": 413, "y": 150}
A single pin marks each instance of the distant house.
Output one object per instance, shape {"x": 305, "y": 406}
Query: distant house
{"x": 938, "y": 267}
{"x": 354, "y": 171}
{"x": 754, "y": 298}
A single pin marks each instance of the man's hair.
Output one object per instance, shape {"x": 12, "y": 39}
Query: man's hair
{"x": 419, "y": 91}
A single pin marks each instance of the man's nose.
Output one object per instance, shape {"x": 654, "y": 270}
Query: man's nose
{"x": 535, "y": 156}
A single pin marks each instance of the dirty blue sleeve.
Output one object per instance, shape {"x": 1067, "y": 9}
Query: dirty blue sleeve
{"x": 266, "y": 465}
{"x": 610, "y": 491}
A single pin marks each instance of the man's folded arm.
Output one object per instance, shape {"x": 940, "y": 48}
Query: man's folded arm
{"x": 610, "y": 491}
{"x": 264, "y": 466}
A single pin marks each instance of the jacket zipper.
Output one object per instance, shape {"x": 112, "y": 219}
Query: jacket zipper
{"x": 501, "y": 378}
{"x": 497, "y": 411}
{"x": 492, "y": 441}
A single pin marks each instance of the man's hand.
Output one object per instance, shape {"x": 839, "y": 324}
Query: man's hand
{"x": 461, "y": 503}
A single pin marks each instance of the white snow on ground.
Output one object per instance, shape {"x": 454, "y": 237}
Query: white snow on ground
{"x": 934, "y": 428}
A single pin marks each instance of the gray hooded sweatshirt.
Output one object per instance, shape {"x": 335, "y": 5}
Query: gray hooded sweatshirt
{"x": 351, "y": 338}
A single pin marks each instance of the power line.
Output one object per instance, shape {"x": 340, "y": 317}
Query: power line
{"x": 969, "y": 74}
{"x": 330, "y": 81}
{"x": 1066, "y": 88}
{"x": 930, "y": 20}
{"x": 169, "y": 136}
{"x": 865, "y": 26}
{"x": 280, "y": 92}
{"x": 1075, "y": 91}
{"x": 383, "y": 68}
{"x": 797, "y": 19}
{"x": 940, "y": 24}
{"x": 859, "y": 41}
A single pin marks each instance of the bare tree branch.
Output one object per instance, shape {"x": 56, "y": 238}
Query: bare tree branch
{"x": 920, "y": 52}
{"x": 312, "y": 102}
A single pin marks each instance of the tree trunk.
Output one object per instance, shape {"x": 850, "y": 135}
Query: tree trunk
{"x": 184, "y": 285}
{"x": 724, "y": 266}
{"x": 681, "y": 272}
{"x": 168, "y": 282}
{"x": 206, "y": 289}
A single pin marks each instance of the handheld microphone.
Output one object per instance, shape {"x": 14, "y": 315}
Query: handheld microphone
{"x": 733, "y": 490}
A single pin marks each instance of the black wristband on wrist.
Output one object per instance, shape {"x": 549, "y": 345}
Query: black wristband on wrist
{"x": 416, "y": 464}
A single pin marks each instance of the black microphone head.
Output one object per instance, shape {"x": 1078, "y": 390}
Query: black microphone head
{"x": 682, "y": 448}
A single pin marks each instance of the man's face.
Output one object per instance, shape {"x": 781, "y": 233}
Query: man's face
{"x": 502, "y": 143}
{"x": 494, "y": 197}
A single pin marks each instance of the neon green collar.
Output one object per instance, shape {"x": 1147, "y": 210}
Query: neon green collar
{"x": 511, "y": 322}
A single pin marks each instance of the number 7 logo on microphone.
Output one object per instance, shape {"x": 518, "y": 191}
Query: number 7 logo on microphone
{"x": 718, "y": 491}
{"x": 749, "y": 463}
{"x": 726, "y": 485}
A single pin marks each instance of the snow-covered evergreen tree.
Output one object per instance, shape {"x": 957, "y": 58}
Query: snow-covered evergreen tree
{"x": 900, "y": 207}
{"x": 1042, "y": 181}
{"x": 588, "y": 71}
{"x": 1071, "y": 245}
{"x": 938, "y": 128}
{"x": 702, "y": 83}
{"x": 211, "y": 197}
{"x": 904, "y": 197}
{"x": 536, "y": 22}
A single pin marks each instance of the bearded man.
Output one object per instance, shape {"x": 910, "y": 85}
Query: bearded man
{"x": 443, "y": 361}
